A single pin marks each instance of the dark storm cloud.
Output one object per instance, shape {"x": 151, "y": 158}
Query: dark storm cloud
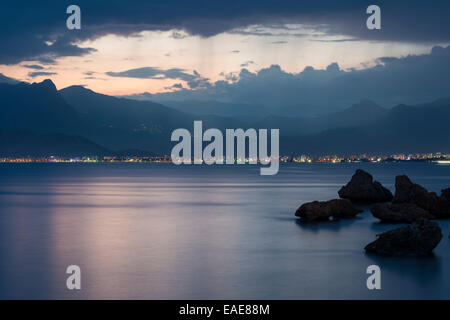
{"x": 33, "y": 66}
{"x": 335, "y": 40}
{"x": 178, "y": 35}
{"x": 40, "y": 73}
{"x": 175, "y": 86}
{"x": 411, "y": 79}
{"x": 247, "y": 63}
{"x": 155, "y": 73}
{"x": 26, "y": 26}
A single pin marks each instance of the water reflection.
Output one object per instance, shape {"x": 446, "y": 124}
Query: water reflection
{"x": 155, "y": 231}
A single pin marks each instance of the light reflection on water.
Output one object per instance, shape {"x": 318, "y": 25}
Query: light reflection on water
{"x": 156, "y": 231}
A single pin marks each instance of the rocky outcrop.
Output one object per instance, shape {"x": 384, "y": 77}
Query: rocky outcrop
{"x": 399, "y": 212}
{"x": 417, "y": 238}
{"x": 362, "y": 188}
{"x": 323, "y": 210}
{"x": 443, "y": 210}
{"x": 446, "y": 194}
{"x": 408, "y": 192}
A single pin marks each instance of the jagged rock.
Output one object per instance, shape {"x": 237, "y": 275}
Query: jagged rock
{"x": 362, "y": 188}
{"x": 417, "y": 238}
{"x": 409, "y": 192}
{"x": 399, "y": 212}
{"x": 323, "y": 210}
{"x": 446, "y": 194}
{"x": 443, "y": 208}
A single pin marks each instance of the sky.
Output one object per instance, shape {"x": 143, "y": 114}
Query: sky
{"x": 193, "y": 47}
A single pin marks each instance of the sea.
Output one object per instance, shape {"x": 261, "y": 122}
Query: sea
{"x": 160, "y": 231}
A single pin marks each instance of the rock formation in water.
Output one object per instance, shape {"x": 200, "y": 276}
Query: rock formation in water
{"x": 323, "y": 210}
{"x": 418, "y": 238}
{"x": 399, "y": 212}
{"x": 446, "y": 194}
{"x": 362, "y": 188}
{"x": 409, "y": 192}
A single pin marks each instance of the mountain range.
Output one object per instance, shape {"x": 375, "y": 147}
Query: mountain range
{"x": 37, "y": 119}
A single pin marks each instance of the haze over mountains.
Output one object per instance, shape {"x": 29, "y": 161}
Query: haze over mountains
{"x": 39, "y": 120}
{"x": 403, "y": 129}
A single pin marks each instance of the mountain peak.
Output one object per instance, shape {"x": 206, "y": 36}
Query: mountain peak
{"x": 77, "y": 89}
{"x": 8, "y": 80}
{"x": 366, "y": 103}
{"x": 47, "y": 84}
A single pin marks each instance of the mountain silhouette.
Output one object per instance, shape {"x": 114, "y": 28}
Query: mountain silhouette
{"x": 404, "y": 129}
{"x": 21, "y": 143}
{"x": 5, "y": 79}
{"x": 84, "y": 118}
{"x": 36, "y": 107}
{"x": 121, "y": 123}
{"x": 362, "y": 113}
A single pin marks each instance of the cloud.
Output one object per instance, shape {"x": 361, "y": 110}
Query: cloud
{"x": 155, "y": 73}
{"x": 33, "y": 66}
{"x": 26, "y": 35}
{"x": 410, "y": 79}
{"x": 335, "y": 40}
{"x": 175, "y": 86}
{"x": 94, "y": 78}
{"x": 230, "y": 76}
{"x": 178, "y": 35}
{"x": 193, "y": 80}
{"x": 40, "y": 73}
{"x": 44, "y": 48}
{"x": 247, "y": 63}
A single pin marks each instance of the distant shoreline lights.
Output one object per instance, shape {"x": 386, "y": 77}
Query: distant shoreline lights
{"x": 213, "y": 153}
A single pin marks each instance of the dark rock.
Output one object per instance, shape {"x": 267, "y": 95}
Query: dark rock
{"x": 446, "y": 194}
{"x": 417, "y": 238}
{"x": 323, "y": 210}
{"x": 409, "y": 192}
{"x": 443, "y": 209}
{"x": 399, "y": 212}
{"x": 362, "y": 188}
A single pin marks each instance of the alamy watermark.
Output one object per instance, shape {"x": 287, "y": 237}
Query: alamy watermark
{"x": 235, "y": 140}
{"x": 73, "y": 282}
{"x": 374, "y": 280}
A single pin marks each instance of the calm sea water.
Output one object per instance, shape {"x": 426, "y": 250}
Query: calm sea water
{"x": 157, "y": 231}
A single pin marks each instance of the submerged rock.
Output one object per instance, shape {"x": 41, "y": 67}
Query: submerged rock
{"x": 399, "y": 212}
{"x": 408, "y": 192}
{"x": 417, "y": 238}
{"x": 323, "y": 210}
{"x": 362, "y": 188}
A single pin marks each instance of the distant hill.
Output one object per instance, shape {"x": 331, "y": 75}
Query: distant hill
{"x": 362, "y": 113}
{"x": 236, "y": 110}
{"x": 90, "y": 121}
{"x": 404, "y": 129}
{"x": 8, "y": 80}
{"x": 19, "y": 143}
{"x": 248, "y": 111}
{"x": 121, "y": 123}
{"x": 36, "y": 107}
{"x": 106, "y": 111}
